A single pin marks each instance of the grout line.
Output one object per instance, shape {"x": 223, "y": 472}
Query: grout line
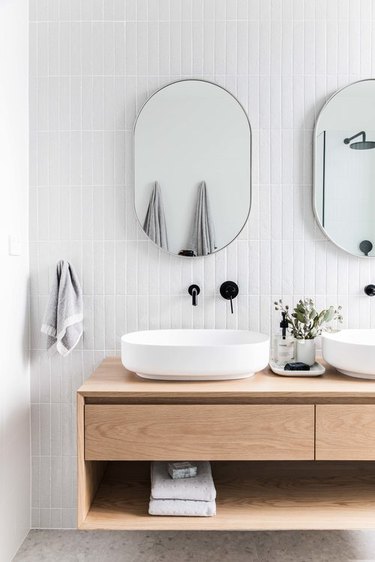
{"x": 187, "y": 20}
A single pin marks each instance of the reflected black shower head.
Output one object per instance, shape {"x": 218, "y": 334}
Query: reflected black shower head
{"x": 361, "y": 145}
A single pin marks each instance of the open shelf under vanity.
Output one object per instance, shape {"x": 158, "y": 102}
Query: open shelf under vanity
{"x": 250, "y": 496}
{"x": 285, "y": 453}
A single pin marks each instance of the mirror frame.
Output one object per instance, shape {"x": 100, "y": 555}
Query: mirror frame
{"x": 331, "y": 97}
{"x": 250, "y": 163}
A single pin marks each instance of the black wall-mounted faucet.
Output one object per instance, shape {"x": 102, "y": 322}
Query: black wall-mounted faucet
{"x": 229, "y": 291}
{"x": 194, "y": 291}
{"x": 370, "y": 290}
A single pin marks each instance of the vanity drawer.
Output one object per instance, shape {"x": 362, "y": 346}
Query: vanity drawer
{"x": 199, "y": 432}
{"x": 345, "y": 432}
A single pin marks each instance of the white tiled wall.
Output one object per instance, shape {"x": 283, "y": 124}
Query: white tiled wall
{"x": 93, "y": 64}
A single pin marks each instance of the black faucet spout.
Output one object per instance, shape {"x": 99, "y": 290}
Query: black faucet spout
{"x": 194, "y": 297}
{"x": 194, "y": 291}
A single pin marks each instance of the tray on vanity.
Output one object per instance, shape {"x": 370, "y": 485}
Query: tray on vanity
{"x": 317, "y": 370}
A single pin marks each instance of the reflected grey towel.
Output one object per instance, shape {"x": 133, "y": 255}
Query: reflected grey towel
{"x": 182, "y": 508}
{"x": 198, "y": 488}
{"x": 155, "y": 226}
{"x": 203, "y": 233}
{"x": 64, "y": 313}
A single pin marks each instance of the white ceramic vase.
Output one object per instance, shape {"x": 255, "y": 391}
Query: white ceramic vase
{"x": 305, "y": 351}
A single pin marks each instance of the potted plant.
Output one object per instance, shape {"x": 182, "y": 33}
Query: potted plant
{"x": 306, "y": 323}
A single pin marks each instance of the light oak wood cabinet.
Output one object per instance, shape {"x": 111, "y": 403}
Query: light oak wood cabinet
{"x": 263, "y": 435}
{"x": 200, "y": 432}
{"x": 345, "y": 432}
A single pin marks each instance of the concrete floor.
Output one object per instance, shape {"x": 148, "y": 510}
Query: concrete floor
{"x": 109, "y": 546}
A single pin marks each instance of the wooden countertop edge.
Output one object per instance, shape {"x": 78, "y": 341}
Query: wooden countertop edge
{"x": 112, "y": 380}
{"x": 265, "y": 394}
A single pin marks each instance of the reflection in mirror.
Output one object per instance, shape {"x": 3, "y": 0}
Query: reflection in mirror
{"x": 192, "y": 168}
{"x": 344, "y": 168}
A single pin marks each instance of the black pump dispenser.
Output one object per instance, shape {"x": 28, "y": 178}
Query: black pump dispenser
{"x": 283, "y": 325}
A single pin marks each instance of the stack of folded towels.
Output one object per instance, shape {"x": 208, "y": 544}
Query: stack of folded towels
{"x": 194, "y": 496}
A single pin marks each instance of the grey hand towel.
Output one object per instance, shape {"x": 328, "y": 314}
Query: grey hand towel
{"x": 203, "y": 234}
{"x": 155, "y": 226}
{"x": 182, "y": 508}
{"x": 64, "y": 313}
{"x": 199, "y": 488}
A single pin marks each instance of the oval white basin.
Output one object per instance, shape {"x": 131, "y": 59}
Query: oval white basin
{"x": 352, "y": 352}
{"x": 195, "y": 354}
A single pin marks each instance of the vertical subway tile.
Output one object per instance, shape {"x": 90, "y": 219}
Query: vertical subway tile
{"x": 92, "y": 66}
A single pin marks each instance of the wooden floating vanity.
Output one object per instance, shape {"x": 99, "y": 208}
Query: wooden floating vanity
{"x": 287, "y": 453}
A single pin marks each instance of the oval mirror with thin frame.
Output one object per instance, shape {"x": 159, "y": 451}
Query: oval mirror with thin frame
{"x": 344, "y": 168}
{"x": 192, "y": 168}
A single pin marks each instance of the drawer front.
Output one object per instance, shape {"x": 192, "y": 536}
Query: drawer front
{"x": 345, "y": 432}
{"x": 199, "y": 432}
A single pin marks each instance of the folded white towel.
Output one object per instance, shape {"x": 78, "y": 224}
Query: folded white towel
{"x": 199, "y": 488}
{"x": 182, "y": 508}
{"x": 64, "y": 313}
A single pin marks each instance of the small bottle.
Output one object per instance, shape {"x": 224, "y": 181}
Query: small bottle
{"x": 283, "y": 344}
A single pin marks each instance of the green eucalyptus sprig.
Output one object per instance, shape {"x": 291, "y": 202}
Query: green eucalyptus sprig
{"x": 305, "y": 322}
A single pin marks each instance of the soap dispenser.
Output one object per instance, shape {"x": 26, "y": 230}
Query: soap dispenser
{"x": 284, "y": 344}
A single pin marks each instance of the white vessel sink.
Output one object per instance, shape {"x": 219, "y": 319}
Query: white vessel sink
{"x": 352, "y": 352}
{"x": 195, "y": 354}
